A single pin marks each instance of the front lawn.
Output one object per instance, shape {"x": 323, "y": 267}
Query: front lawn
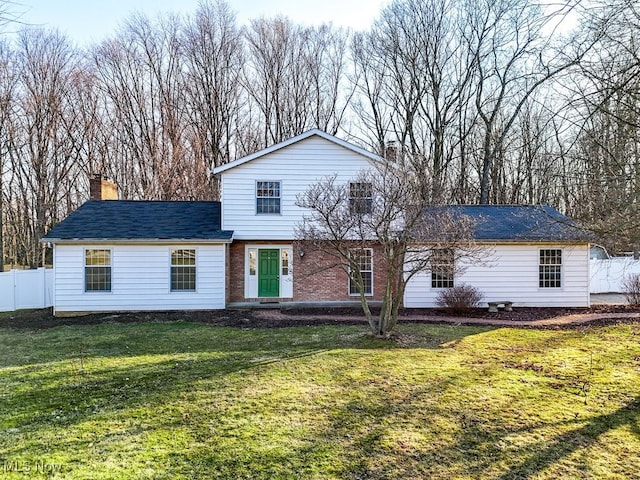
{"x": 187, "y": 400}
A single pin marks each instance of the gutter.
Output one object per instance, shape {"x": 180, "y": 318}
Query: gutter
{"x": 134, "y": 241}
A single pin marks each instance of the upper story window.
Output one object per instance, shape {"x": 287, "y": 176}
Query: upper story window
{"x": 360, "y": 198}
{"x": 97, "y": 270}
{"x": 550, "y": 268}
{"x": 268, "y": 197}
{"x": 442, "y": 268}
{"x": 363, "y": 258}
{"x": 183, "y": 270}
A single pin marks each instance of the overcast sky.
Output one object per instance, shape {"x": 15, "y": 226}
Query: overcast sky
{"x": 85, "y": 21}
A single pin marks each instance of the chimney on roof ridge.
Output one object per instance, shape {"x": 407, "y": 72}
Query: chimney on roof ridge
{"x": 101, "y": 188}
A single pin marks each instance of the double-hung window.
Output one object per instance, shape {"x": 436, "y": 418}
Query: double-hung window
{"x": 97, "y": 270}
{"x": 267, "y": 197}
{"x": 442, "y": 268}
{"x": 550, "y": 268}
{"x": 183, "y": 270}
{"x": 363, "y": 261}
{"x": 360, "y": 198}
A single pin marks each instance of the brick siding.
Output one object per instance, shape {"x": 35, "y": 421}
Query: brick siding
{"x": 315, "y": 275}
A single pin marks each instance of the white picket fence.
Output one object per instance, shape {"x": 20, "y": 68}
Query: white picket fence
{"x": 607, "y": 275}
{"x": 26, "y": 289}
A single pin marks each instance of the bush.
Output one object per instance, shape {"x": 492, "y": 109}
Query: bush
{"x": 459, "y": 299}
{"x": 631, "y": 288}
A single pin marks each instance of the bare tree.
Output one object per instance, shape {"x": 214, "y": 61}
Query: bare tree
{"x": 7, "y": 87}
{"x": 293, "y": 78}
{"x": 213, "y": 52}
{"x": 41, "y": 146}
{"x": 605, "y": 155}
{"x": 413, "y": 76}
{"x": 382, "y": 207}
{"x": 140, "y": 72}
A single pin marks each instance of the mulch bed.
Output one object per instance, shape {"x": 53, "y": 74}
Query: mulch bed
{"x": 287, "y": 317}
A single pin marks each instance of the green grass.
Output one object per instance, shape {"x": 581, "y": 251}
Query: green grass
{"x": 182, "y": 400}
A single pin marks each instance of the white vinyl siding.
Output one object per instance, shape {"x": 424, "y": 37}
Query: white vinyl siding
{"x": 140, "y": 279}
{"x": 511, "y": 272}
{"x": 295, "y": 167}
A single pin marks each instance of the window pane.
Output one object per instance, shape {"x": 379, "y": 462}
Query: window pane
{"x": 183, "y": 257}
{"x": 183, "y": 278}
{"x": 97, "y": 279}
{"x": 97, "y": 257}
{"x": 252, "y": 262}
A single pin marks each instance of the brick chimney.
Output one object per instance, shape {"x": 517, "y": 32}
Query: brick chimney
{"x": 101, "y": 188}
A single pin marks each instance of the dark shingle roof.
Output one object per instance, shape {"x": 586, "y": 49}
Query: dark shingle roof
{"x": 141, "y": 220}
{"x": 519, "y": 223}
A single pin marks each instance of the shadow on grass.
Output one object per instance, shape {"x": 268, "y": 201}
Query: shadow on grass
{"x": 127, "y": 387}
{"x": 565, "y": 444}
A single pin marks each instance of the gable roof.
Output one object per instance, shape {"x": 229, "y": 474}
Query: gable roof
{"x": 296, "y": 139}
{"x": 141, "y": 221}
{"x": 521, "y": 223}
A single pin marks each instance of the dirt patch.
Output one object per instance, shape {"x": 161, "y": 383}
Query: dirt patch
{"x": 291, "y": 317}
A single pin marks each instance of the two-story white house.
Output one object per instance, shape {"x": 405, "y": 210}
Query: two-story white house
{"x": 116, "y": 255}
{"x": 259, "y": 195}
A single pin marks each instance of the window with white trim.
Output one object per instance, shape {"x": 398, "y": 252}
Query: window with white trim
{"x": 442, "y": 268}
{"x": 550, "y": 268}
{"x": 363, "y": 258}
{"x": 253, "y": 261}
{"x": 97, "y": 270}
{"x": 267, "y": 197}
{"x": 360, "y": 198}
{"x": 183, "y": 270}
{"x": 285, "y": 263}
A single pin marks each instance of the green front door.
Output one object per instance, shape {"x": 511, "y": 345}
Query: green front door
{"x": 269, "y": 273}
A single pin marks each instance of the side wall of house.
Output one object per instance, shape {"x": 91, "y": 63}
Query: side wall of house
{"x": 296, "y": 167}
{"x": 511, "y": 272}
{"x": 140, "y": 279}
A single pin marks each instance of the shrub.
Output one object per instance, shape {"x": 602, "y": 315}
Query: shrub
{"x": 631, "y": 288}
{"x": 459, "y": 299}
